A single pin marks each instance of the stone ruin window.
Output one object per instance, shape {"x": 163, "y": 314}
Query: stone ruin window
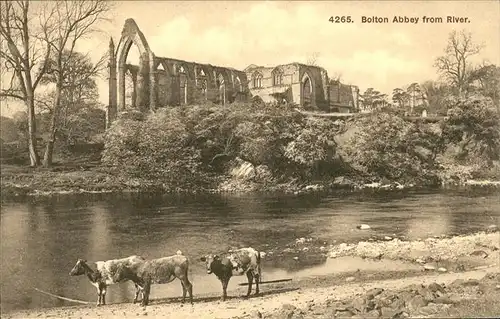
{"x": 257, "y": 80}
{"x": 307, "y": 91}
{"x": 201, "y": 81}
{"x": 222, "y": 89}
{"x": 277, "y": 77}
{"x": 204, "y": 86}
{"x": 237, "y": 83}
{"x": 200, "y": 75}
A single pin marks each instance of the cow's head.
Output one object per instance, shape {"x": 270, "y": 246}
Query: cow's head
{"x": 79, "y": 268}
{"x": 210, "y": 260}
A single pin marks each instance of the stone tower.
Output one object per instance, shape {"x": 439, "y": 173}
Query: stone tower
{"x": 111, "y": 110}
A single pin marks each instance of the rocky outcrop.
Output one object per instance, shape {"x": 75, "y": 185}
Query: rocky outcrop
{"x": 423, "y": 251}
{"x": 413, "y": 301}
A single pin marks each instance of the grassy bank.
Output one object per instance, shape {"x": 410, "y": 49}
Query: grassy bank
{"x": 24, "y": 181}
{"x": 259, "y": 147}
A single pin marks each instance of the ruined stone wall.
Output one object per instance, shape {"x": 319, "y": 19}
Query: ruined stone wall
{"x": 166, "y": 82}
{"x": 289, "y": 77}
{"x": 343, "y": 97}
{"x": 320, "y": 91}
{"x": 182, "y": 82}
{"x": 291, "y": 83}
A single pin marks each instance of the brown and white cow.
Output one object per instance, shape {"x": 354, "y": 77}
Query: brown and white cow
{"x": 235, "y": 263}
{"x": 102, "y": 277}
{"x": 157, "y": 271}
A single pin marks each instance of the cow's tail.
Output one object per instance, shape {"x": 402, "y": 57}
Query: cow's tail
{"x": 259, "y": 267}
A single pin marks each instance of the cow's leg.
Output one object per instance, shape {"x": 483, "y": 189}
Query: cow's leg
{"x": 145, "y": 293}
{"x": 183, "y": 291}
{"x": 137, "y": 290}
{"x": 103, "y": 294}
{"x": 189, "y": 287}
{"x": 250, "y": 281}
{"x": 257, "y": 281}
{"x": 225, "y": 281}
{"x": 98, "y": 296}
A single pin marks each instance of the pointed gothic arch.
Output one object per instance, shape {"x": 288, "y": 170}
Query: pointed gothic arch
{"x": 221, "y": 85}
{"x": 131, "y": 35}
{"x": 257, "y": 80}
{"x": 306, "y": 90}
{"x": 277, "y": 74}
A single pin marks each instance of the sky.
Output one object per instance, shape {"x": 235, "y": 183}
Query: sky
{"x": 239, "y": 33}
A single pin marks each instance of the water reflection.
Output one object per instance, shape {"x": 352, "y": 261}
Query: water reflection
{"x": 43, "y": 238}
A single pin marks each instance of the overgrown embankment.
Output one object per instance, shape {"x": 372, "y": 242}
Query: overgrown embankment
{"x": 261, "y": 147}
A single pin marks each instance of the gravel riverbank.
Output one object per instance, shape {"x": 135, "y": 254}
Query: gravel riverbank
{"x": 429, "y": 292}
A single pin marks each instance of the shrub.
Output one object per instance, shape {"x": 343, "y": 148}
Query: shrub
{"x": 389, "y": 147}
{"x": 194, "y": 144}
{"x": 473, "y": 124}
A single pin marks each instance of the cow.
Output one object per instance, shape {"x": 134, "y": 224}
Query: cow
{"x": 235, "y": 263}
{"x": 157, "y": 271}
{"x": 102, "y": 277}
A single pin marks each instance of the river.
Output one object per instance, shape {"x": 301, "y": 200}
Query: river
{"x": 42, "y": 238}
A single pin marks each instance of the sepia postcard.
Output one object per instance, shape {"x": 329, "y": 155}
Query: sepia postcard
{"x": 250, "y": 159}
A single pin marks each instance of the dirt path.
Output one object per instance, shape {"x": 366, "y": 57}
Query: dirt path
{"x": 267, "y": 304}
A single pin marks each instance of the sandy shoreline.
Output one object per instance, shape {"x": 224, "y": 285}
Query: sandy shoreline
{"x": 457, "y": 252}
{"x": 238, "y": 307}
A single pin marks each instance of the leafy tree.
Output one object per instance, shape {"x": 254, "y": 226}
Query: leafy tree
{"x": 473, "y": 124}
{"x": 372, "y": 99}
{"x": 400, "y": 97}
{"x": 10, "y": 131}
{"x": 438, "y": 96}
{"x": 415, "y": 94}
{"x": 80, "y": 115}
{"x": 392, "y": 148}
{"x": 313, "y": 150}
{"x": 486, "y": 80}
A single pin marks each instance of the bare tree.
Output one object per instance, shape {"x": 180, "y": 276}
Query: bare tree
{"x": 65, "y": 24}
{"x": 24, "y": 59}
{"x": 313, "y": 59}
{"x": 455, "y": 64}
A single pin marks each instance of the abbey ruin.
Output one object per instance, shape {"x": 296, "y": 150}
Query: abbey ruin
{"x": 162, "y": 82}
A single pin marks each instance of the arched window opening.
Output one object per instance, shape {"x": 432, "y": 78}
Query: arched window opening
{"x": 237, "y": 83}
{"x": 201, "y": 82}
{"x": 130, "y": 89}
{"x": 133, "y": 87}
{"x": 306, "y": 91}
{"x": 204, "y": 88}
{"x": 257, "y": 80}
{"x": 277, "y": 77}
{"x": 160, "y": 67}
